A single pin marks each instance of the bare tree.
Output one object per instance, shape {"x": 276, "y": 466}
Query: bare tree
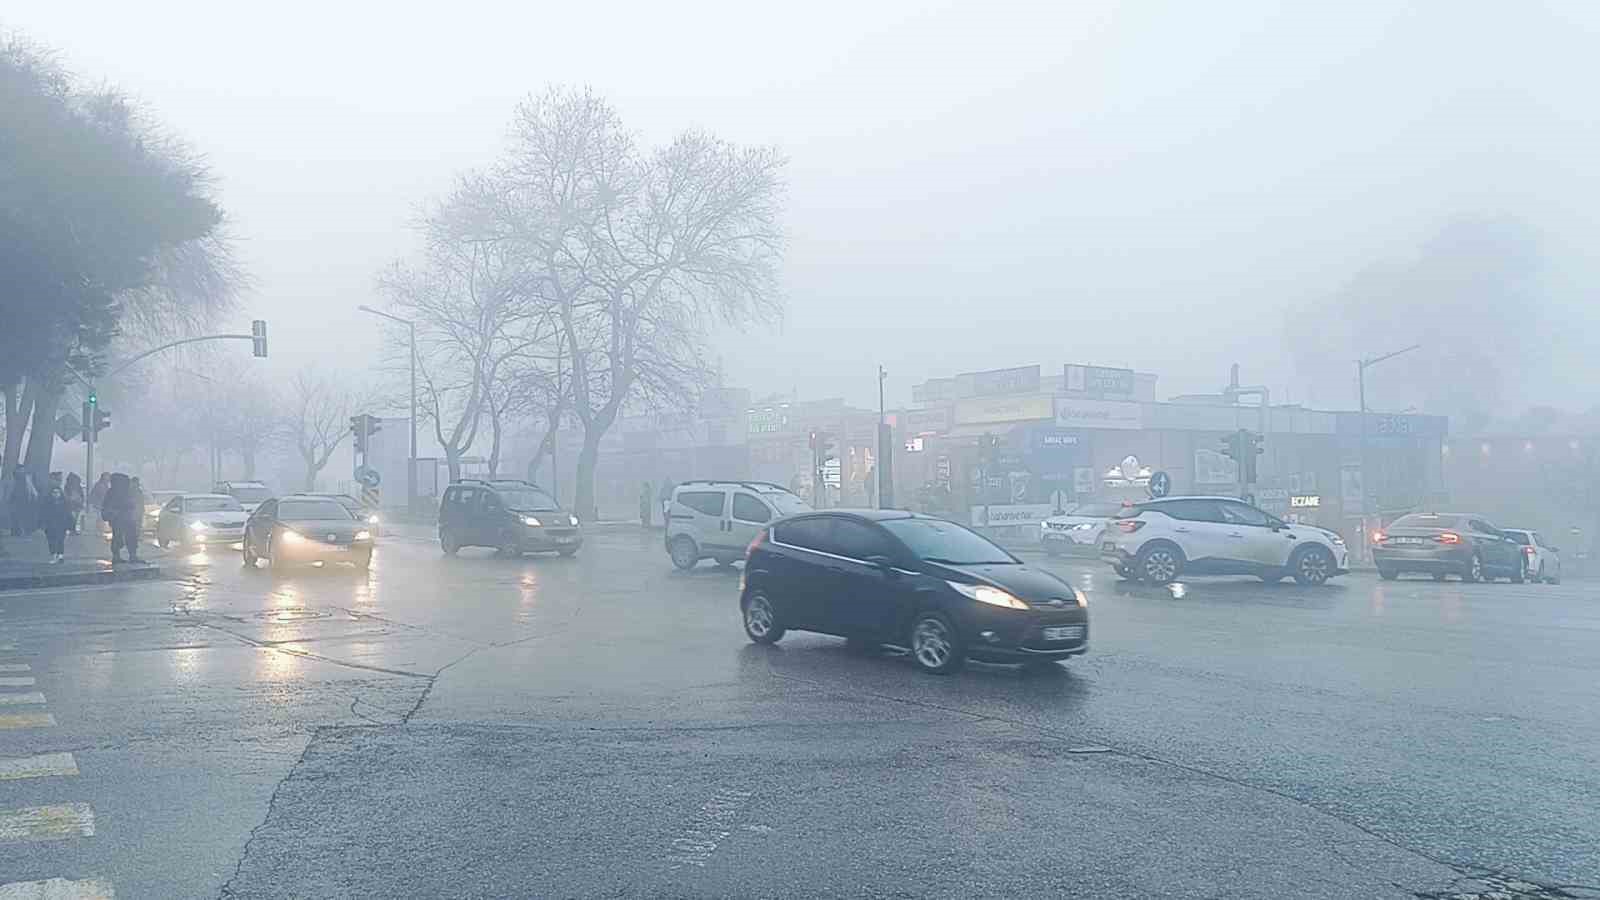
{"x": 319, "y": 409}
{"x": 250, "y": 420}
{"x": 637, "y": 254}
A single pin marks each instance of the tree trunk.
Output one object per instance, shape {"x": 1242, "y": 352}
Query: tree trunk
{"x": 539, "y": 453}
{"x": 42, "y": 436}
{"x": 494, "y": 444}
{"x": 19, "y": 408}
{"x": 452, "y": 461}
{"x": 584, "y": 503}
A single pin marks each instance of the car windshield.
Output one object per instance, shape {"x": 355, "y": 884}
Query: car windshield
{"x": 312, "y": 510}
{"x": 946, "y": 542}
{"x": 1096, "y": 510}
{"x": 211, "y": 504}
{"x": 1429, "y": 520}
{"x": 786, "y": 503}
{"x": 250, "y": 494}
{"x": 527, "y": 498}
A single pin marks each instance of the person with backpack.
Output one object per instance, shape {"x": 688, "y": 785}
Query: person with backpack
{"x": 119, "y": 512}
{"x": 75, "y": 500}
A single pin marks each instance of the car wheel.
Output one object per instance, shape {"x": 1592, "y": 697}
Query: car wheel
{"x": 509, "y": 547}
{"x": 249, "y": 554}
{"x": 274, "y": 561}
{"x": 934, "y": 644}
{"x": 1519, "y": 573}
{"x": 1540, "y": 577}
{"x": 1312, "y": 565}
{"x": 448, "y": 543}
{"x": 684, "y": 553}
{"x": 1159, "y": 564}
{"x": 1388, "y": 574}
{"x": 761, "y": 620}
{"x": 1474, "y": 569}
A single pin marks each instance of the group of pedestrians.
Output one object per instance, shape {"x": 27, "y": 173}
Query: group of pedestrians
{"x": 58, "y": 509}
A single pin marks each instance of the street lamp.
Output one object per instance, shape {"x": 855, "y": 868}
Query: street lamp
{"x": 1361, "y": 388}
{"x": 411, "y": 464}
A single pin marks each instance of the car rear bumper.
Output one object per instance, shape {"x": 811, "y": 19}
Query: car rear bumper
{"x": 1422, "y": 559}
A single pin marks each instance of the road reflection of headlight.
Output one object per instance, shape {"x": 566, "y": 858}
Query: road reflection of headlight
{"x": 363, "y": 535}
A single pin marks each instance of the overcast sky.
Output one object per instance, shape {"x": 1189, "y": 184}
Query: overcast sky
{"x": 973, "y": 185}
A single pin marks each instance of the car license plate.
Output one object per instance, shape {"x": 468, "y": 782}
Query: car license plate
{"x": 1408, "y": 540}
{"x": 566, "y": 540}
{"x": 1064, "y": 633}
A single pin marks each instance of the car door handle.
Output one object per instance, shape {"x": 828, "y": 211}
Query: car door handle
{"x": 1236, "y": 534}
{"x": 1181, "y": 530}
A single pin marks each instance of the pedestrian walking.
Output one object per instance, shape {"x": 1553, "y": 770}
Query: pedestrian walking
{"x": 97, "y": 495}
{"x": 55, "y": 518}
{"x": 21, "y": 499}
{"x": 75, "y": 500}
{"x": 117, "y": 511}
{"x": 647, "y": 497}
{"x": 135, "y": 516}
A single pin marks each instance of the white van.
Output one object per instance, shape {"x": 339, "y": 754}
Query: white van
{"x": 718, "y": 519}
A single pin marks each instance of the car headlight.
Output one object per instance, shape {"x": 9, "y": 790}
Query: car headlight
{"x": 572, "y": 519}
{"x": 363, "y": 535}
{"x": 530, "y": 521}
{"x": 372, "y": 520}
{"x": 1083, "y": 599}
{"x": 293, "y": 537}
{"x": 198, "y": 526}
{"x": 993, "y": 596}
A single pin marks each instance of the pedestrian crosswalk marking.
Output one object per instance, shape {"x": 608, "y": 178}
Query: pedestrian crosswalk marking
{"x": 15, "y": 667}
{"x": 17, "y": 681}
{"x": 47, "y": 823}
{"x": 27, "y": 720}
{"x": 27, "y": 698}
{"x": 41, "y": 766}
{"x": 57, "y": 889}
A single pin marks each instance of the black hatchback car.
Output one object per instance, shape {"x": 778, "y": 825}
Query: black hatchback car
{"x": 514, "y": 517}
{"x": 301, "y": 528}
{"x": 891, "y": 577}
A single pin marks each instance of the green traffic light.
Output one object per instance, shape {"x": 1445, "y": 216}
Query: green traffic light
{"x": 92, "y": 398}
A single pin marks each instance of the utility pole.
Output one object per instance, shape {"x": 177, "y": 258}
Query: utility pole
{"x": 885, "y": 451}
{"x": 1361, "y": 389}
{"x": 555, "y": 429}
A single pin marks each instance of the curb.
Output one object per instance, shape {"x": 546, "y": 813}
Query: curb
{"x": 69, "y": 579}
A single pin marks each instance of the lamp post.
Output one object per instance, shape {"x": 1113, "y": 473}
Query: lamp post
{"x": 1361, "y": 389}
{"x": 411, "y": 463}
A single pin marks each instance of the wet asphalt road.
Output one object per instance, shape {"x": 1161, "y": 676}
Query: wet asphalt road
{"x": 483, "y": 727}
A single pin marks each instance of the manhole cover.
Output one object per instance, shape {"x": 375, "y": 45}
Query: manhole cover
{"x": 292, "y": 614}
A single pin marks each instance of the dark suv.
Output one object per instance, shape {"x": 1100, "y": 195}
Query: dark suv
{"x": 514, "y": 517}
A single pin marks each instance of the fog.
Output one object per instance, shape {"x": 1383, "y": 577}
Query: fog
{"x": 1167, "y": 186}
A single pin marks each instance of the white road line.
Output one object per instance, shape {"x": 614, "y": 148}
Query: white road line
{"x": 15, "y": 667}
{"x": 41, "y": 766}
{"x": 57, "y": 889}
{"x": 27, "y": 720}
{"x": 17, "y": 681}
{"x": 26, "y": 698}
{"x": 47, "y": 823}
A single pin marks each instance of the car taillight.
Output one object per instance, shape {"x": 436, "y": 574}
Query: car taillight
{"x": 761, "y": 538}
{"x": 1528, "y": 550}
{"x": 1449, "y": 537}
{"x": 1129, "y": 526}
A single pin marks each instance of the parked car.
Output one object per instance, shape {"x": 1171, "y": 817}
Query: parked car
{"x": 1160, "y": 540}
{"x": 367, "y": 514}
{"x": 198, "y": 519}
{"x": 1077, "y": 529}
{"x": 514, "y": 517}
{"x": 1543, "y": 560}
{"x": 153, "y": 503}
{"x": 300, "y": 528}
{"x": 893, "y": 577}
{"x": 1439, "y": 544}
{"x": 250, "y": 494}
{"x": 718, "y": 519}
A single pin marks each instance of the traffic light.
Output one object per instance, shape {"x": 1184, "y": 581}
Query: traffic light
{"x": 359, "y": 432}
{"x": 258, "y": 338}
{"x": 1250, "y": 448}
{"x": 1230, "y": 447}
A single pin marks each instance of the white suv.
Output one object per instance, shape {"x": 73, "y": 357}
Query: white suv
{"x": 1159, "y": 540}
{"x": 718, "y": 519}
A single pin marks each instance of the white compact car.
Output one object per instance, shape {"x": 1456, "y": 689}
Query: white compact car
{"x": 195, "y": 520}
{"x": 1159, "y": 540}
{"x": 1544, "y": 561}
{"x": 1077, "y": 529}
{"x": 719, "y": 519}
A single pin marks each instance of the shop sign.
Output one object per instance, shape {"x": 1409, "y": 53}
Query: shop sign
{"x": 1075, "y": 412}
{"x": 983, "y": 410}
{"x": 925, "y": 421}
{"x": 1011, "y": 514}
{"x": 1099, "y": 380}
{"x": 1020, "y": 380}
{"x": 913, "y": 445}
{"x": 769, "y": 419}
{"x": 1305, "y": 501}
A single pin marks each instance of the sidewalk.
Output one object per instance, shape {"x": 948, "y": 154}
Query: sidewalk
{"x": 26, "y": 563}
